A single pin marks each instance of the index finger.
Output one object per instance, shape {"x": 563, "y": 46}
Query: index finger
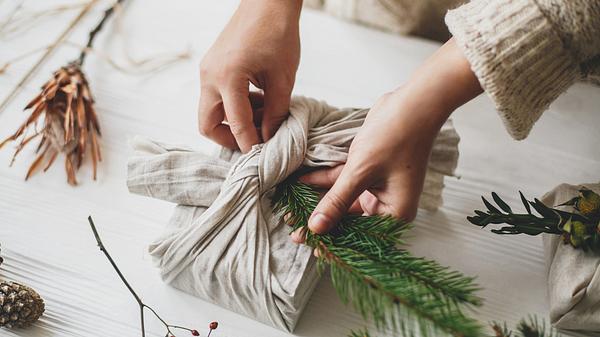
{"x": 240, "y": 118}
{"x": 323, "y": 178}
{"x": 210, "y": 118}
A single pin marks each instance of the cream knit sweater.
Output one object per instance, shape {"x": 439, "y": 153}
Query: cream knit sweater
{"x": 525, "y": 53}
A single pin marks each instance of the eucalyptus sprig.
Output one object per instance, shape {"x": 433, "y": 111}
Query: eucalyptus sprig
{"x": 383, "y": 281}
{"x": 580, "y": 228}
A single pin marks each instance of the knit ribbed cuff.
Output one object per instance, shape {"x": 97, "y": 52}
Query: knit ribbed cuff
{"x": 516, "y": 54}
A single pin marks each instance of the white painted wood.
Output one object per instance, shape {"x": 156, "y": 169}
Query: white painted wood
{"x": 46, "y": 241}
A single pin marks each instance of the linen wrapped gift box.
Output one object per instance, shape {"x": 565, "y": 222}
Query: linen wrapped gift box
{"x": 223, "y": 243}
{"x": 573, "y": 275}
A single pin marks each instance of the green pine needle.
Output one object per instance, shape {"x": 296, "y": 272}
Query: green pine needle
{"x": 529, "y": 327}
{"x": 359, "y": 333}
{"x": 384, "y": 282}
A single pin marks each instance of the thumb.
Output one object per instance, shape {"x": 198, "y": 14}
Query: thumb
{"x": 277, "y": 105}
{"x": 336, "y": 202}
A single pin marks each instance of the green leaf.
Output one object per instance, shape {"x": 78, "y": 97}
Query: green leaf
{"x": 525, "y": 202}
{"x": 544, "y": 210}
{"x": 489, "y": 206}
{"x": 504, "y": 206}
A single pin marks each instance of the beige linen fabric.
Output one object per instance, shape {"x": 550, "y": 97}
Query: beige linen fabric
{"x": 223, "y": 243}
{"x": 423, "y": 18}
{"x": 573, "y": 275}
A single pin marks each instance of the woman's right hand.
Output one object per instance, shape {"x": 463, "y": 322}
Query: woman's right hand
{"x": 259, "y": 45}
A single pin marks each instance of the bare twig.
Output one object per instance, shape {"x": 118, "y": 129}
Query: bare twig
{"x": 46, "y": 55}
{"x": 139, "y": 301}
{"x": 107, "y": 14}
{"x": 19, "y": 21}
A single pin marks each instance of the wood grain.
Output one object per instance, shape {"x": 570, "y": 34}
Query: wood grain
{"x": 46, "y": 239}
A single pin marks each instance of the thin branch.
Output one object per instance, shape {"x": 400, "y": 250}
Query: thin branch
{"x": 46, "y": 55}
{"x": 94, "y": 32}
{"x": 130, "y": 288}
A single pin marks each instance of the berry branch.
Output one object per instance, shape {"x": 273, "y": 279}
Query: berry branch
{"x": 141, "y": 304}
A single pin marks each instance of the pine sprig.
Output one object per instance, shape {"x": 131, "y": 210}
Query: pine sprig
{"x": 581, "y": 228}
{"x": 529, "y": 327}
{"x": 384, "y": 282}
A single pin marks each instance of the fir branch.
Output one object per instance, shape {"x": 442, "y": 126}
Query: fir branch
{"x": 382, "y": 281}
{"x": 529, "y": 327}
{"x": 359, "y": 333}
{"x": 501, "y": 330}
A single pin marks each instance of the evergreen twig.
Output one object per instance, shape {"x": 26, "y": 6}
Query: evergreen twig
{"x": 384, "y": 282}
{"x": 529, "y": 327}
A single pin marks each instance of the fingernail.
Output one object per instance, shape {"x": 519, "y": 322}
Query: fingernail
{"x": 319, "y": 222}
{"x": 298, "y": 235}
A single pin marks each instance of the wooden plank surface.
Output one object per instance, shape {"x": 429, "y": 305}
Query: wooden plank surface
{"x": 43, "y": 230}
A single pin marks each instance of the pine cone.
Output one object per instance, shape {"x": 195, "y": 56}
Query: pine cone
{"x": 19, "y": 305}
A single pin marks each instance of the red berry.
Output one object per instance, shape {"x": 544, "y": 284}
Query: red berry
{"x": 213, "y": 325}
{"x": 195, "y": 333}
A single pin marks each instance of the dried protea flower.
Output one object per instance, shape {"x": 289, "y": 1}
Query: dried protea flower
{"x": 70, "y": 124}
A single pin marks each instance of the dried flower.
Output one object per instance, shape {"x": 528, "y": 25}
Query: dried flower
{"x": 70, "y": 124}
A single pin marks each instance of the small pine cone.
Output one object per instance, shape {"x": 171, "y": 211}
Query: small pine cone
{"x": 19, "y": 305}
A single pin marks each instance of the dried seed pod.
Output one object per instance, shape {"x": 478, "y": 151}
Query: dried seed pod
{"x": 69, "y": 123}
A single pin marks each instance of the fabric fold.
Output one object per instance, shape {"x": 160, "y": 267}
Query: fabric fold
{"x": 573, "y": 275}
{"x": 223, "y": 242}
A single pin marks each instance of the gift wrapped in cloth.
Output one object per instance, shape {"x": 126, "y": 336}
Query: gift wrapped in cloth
{"x": 223, "y": 242}
{"x": 573, "y": 274}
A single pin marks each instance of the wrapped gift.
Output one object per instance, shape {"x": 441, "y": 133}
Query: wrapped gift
{"x": 573, "y": 274}
{"x": 223, "y": 242}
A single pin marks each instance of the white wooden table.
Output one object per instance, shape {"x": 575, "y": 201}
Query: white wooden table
{"x": 47, "y": 243}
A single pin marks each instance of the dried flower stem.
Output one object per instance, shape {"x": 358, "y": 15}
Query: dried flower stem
{"x": 46, "y": 55}
{"x": 138, "y": 299}
{"x": 19, "y": 21}
{"x": 94, "y": 32}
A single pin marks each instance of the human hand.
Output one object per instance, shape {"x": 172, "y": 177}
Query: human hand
{"x": 387, "y": 160}
{"x": 259, "y": 45}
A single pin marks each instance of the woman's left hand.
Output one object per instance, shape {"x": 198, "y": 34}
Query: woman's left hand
{"x": 387, "y": 160}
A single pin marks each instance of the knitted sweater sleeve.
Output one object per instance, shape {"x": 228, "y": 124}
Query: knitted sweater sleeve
{"x": 525, "y": 53}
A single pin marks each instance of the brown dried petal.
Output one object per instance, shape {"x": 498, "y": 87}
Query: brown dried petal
{"x": 69, "y": 124}
{"x": 36, "y": 163}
